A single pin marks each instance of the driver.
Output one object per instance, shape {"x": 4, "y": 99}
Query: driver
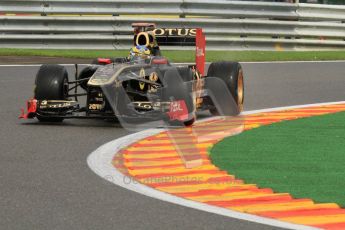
{"x": 139, "y": 53}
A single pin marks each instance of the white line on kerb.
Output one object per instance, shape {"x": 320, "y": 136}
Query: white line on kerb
{"x": 100, "y": 162}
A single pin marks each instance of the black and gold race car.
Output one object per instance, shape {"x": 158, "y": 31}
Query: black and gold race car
{"x": 142, "y": 87}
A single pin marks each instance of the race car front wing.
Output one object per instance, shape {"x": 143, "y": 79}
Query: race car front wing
{"x": 175, "y": 110}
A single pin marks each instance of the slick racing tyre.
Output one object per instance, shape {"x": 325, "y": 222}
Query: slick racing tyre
{"x": 176, "y": 89}
{"x": 232, "y": 74}
{"x": 85, "y": 74}
{"x": 51, "y": 84}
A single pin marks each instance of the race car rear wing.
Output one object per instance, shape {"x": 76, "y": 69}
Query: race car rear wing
{"x": 184, "y": 37}
{"x": 173, "y": 37}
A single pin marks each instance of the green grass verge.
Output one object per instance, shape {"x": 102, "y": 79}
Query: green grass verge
{"x": 188, "y": 56}
{"x": 305, "y": 157}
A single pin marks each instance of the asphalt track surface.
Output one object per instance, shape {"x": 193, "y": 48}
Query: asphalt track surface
{"x": 45, "y": 182}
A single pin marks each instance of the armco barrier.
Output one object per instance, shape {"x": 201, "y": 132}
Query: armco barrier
{"x": 234, "y": 25}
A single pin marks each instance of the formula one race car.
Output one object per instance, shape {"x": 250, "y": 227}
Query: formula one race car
{"x": 144, "y": 86}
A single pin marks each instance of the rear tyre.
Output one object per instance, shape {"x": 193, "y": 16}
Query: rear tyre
{"x": 51, "y": 84}
{"x": 232, "y": 74}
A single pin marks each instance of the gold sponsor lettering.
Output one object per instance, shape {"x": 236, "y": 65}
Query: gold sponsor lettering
{"x": 60, "y": 105}
{"x": 182, "y": 32}
{"x": 159, "y": 32}
{"x": 192, "y": 32}
{"x": 44, "y": 104}
{"x": 143, "y": 105}
{"x": 174, "y": 32}
{"x": 170, "y": 31}
{"x": 95, "y": 106}
{"x": 153, "y": 77}
{"x": 142, "y": 75}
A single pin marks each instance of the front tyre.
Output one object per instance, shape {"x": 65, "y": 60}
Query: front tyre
{"x": 51, "y": 84}
{"x": 85, "y": 75}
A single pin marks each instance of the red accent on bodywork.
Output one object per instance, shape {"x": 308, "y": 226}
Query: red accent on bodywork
{"x": 160, "y": 61}
{"x": 178, "y": 110}
{"x": 200, "y": 49}
{"x": 104, "y": 60}
{"x": 31, "y": 107}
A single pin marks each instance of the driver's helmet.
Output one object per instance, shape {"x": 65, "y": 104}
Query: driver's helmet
{"x": 139, "y": 52}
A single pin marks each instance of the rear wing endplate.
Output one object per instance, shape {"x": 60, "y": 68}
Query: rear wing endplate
{"x": 200, "y": 51}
